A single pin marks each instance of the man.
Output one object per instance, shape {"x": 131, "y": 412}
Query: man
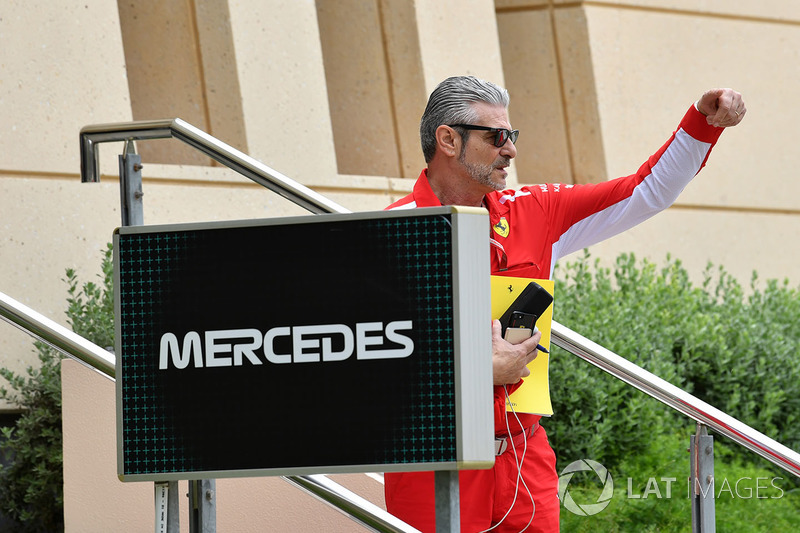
{"x": 468, "y": 144}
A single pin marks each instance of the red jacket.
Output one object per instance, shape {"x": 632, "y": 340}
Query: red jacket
{"x": 537, "y": 224}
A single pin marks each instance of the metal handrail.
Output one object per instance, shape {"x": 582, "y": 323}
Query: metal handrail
{"x": 354, "y": 506}
{"x": 674, "y": 397}
{"x": 229, "y": 156}
{"x": 56, "y": 335}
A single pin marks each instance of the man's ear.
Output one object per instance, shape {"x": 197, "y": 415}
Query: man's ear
{"x": 448, "y": 140}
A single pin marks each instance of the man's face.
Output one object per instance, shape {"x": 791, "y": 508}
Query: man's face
{"x": 483, "y": 162}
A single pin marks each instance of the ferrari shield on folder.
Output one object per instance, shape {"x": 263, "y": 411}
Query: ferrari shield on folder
{"x": 323, "y": 343}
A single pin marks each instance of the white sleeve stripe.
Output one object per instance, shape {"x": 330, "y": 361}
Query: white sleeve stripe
{"x": 411, "y": 205}
{"x": 676, "y": 167}
{"x": 508, "y": 197}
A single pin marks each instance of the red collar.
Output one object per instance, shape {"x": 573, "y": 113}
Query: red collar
{"x": 424, "y": 196}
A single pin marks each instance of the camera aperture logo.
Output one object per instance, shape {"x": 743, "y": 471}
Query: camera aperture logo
{"x": 585, "y": 509}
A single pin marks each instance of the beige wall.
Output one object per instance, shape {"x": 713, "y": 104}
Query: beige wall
{"x": 596, "y": 87}
{"x": 180, "y": 62}
{"x": 47, "y": 50}
{"x": 359, "y": 87}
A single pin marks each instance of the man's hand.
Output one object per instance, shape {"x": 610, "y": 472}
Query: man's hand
{"x": 723, "y": 108}
{"x": 509, "y": 361}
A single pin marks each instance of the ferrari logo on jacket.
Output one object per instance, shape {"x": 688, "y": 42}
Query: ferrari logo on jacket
{"x": 501, "y": 228}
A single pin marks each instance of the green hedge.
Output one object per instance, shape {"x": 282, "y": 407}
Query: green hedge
{"x": 31, "y": 491}
{"x": 750, "y": 497}
{"x": 735, "y": 348}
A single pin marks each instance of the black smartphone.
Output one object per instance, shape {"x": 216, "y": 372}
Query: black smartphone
{"x": 520, "y": 327}
{"x": 533, "y": 300}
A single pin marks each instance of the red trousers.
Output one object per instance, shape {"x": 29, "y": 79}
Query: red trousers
{"x": 486, "y": 495}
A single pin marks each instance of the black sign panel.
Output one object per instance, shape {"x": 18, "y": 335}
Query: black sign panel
{"x": 309, "y": 344}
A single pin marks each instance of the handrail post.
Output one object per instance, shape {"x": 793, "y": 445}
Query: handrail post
{"x": 132, "y": 212}
{"x": 447, "y": 499}
{"x": 130, "y": 190}
{"x": 202, "y": 506}
{"x": 701, "y": 448}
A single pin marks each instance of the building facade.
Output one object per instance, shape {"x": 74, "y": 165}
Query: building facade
{"x": 330, "y": 93}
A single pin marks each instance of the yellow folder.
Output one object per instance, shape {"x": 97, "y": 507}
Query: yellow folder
{"x": 534, "y": 394}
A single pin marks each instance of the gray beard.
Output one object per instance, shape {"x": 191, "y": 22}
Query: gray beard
{"x": 482, "y": 174}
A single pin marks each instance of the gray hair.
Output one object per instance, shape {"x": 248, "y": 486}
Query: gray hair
{"x": 451, "y": 103}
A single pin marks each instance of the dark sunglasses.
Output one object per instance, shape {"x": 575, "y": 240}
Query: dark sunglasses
{"x": 501, "y": 135}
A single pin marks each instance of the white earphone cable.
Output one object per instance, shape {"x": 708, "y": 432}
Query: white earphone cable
{"x": 518, "y": 460}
